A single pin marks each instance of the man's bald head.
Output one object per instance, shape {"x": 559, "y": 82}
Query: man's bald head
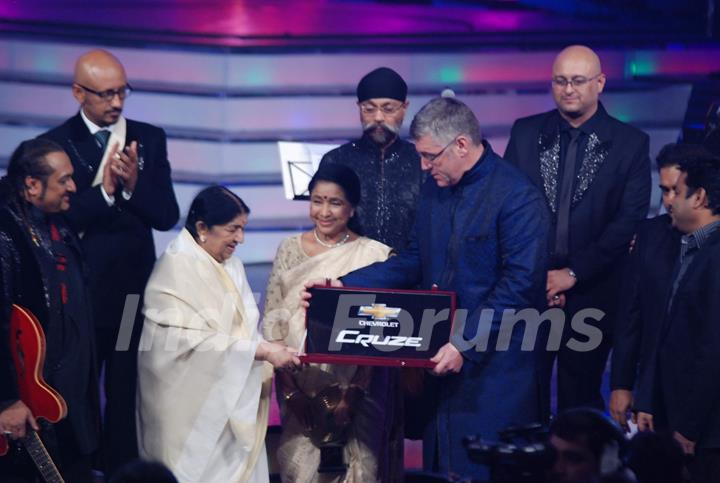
{"x": 98, "y": 71}
{"x": 97, "y": 64}
{"x": 579, "y": 68}
{"x": 578, "y": 55}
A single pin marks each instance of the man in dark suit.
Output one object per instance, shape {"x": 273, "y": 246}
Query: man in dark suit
{"x": 595, "y": 173}
{"x": 643, "y": 298}
{"x": 41, "y": 269}
{"x": 688, "y": 359}
{"x": 124, "y": 190}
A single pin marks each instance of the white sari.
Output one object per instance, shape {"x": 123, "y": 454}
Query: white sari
{"x": 202, "y": 398}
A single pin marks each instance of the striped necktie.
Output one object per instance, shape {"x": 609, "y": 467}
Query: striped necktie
{"x": 102, "y": 137}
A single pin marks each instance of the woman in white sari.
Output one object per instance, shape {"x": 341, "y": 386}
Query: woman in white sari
{"x": 204, "y": 371}
{"x": 328, "y": 403}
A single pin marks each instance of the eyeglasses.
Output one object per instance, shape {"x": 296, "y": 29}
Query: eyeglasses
{"x": 430, "y": 158}
{"x": 387, "y": 109}
{"x": 109, "y": 94}
{"x": 576, "y": 82}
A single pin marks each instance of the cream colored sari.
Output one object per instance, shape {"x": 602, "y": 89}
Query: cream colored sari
{"x": 202, "y": 398}
{"x": 285, "y": 321}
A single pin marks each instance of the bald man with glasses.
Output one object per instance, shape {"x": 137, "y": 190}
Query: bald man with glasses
{"x": 124, "y": 191}
{"x": 595, "y": 173}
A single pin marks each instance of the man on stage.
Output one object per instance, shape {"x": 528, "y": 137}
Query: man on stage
{"x": 595, "y": 173}
{"x": 41, "y": 270}
{"x": 388, "y": 166}
{"x": 687, "y": 358}
{"x": 481, "y": 233}
{"x": 124, "y": 191}
{"x": 643, "y": 294}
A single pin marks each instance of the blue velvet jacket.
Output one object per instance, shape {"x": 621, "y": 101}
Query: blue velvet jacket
{"x": 485, "y": 239}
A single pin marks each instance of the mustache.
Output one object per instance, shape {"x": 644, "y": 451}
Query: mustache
{"x": 388, "y": 128}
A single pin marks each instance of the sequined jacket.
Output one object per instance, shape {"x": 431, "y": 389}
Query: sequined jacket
{"x": 24, "y": 280}
{"x": 21, "y": 282}
{"x": 611, "y": 196}
{"x": 390, "y": 184}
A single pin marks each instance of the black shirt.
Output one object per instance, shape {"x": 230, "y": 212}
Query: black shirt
{"x": 390, "y": 183}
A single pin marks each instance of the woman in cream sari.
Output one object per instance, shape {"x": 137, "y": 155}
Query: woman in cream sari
{"x": 203, "y": 369}
{"x": 325, "y": 403}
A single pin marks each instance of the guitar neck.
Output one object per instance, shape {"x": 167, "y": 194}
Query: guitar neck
{"x": 44, "y": 463}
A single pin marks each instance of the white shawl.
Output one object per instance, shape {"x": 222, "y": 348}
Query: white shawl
{"x": 117, "y": 136}
{"x": 202, "y": 398}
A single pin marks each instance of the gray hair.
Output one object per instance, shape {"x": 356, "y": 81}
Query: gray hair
{"x": 445, "y": 118}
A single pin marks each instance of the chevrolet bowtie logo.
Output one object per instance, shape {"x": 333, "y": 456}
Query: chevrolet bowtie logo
{"x": 379, "y": 311}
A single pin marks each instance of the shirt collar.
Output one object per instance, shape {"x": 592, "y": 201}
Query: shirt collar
{"x": 478, "y": 169}
{"x": 700, "y": 236}
{"x": 92, "y": 127}
{"x": 588, "y": 127}
{"x": 37, "y": 216}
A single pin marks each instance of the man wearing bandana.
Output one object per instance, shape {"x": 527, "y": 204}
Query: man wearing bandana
{"x": 390, "y": 175}
{"x": 388, "y": 166}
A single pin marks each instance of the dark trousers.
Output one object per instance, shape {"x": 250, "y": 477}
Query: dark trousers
{"x": 18, "y": 467}
{"x": 705, "y": 466}
{"x": 579, "y": 374}
{"x": 119, "y": 436}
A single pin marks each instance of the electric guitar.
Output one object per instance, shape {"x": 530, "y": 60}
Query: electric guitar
{"x": 27, "y": 347}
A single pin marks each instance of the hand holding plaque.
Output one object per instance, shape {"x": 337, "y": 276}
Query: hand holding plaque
{"x": 448, "y": 360}
{"x": 306, "y": 294}
{"x": 380, "y": 327}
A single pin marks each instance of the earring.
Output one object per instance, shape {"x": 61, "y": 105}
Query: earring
{"x": 203, "y": 239}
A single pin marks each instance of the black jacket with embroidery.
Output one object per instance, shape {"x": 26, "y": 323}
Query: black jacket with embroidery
{"x": 390, "y": 184}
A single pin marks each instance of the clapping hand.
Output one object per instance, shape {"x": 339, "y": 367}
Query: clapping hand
{"x": 125, "y": 166}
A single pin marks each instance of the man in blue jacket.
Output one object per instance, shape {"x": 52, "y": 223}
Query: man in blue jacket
{"x": 480, "y": 231}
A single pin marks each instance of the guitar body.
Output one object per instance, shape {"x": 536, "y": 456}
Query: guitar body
{"x": 27, "y": 347}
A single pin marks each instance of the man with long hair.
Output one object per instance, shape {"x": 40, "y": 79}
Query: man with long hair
{"x": 41, "y": 270}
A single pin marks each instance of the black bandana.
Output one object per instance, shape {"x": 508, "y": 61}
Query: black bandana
{"x": 382, "y": 83}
